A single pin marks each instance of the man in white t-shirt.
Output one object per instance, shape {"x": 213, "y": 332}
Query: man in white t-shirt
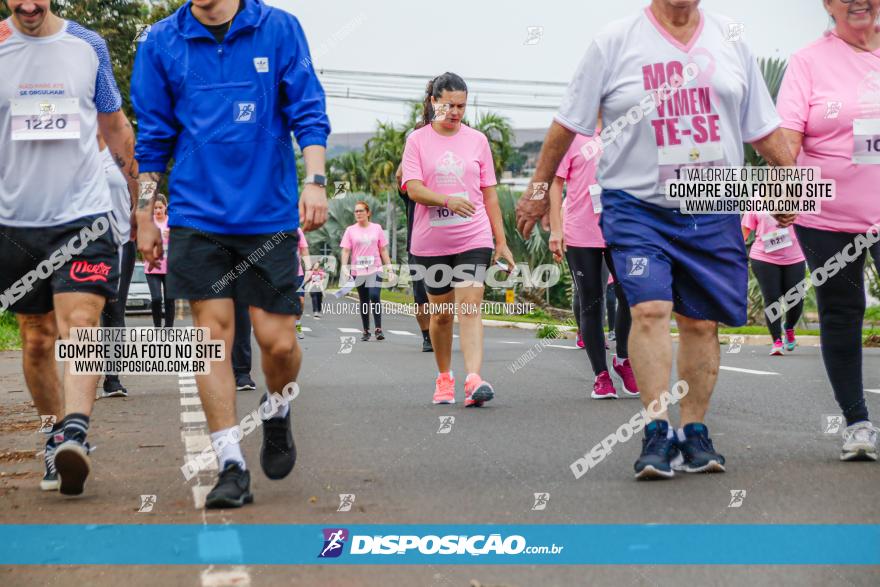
{"x": 673, "y": 88}
{"x": 60, "y": 260}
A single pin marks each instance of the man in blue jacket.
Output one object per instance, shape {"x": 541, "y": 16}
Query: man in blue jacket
{"x": 219, "y": 86}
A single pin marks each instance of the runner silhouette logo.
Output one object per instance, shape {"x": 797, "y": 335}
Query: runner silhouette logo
{"x": 334, "y": 542}
{"x": 637, "y": 266}
{"x": 245, "y": 112}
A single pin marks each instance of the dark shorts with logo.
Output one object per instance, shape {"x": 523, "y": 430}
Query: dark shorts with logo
{"x": 259, "y": 270}
{"x": 39, "y": 262}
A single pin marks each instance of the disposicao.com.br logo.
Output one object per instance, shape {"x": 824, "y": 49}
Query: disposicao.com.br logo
{"x": 403, "y": 544}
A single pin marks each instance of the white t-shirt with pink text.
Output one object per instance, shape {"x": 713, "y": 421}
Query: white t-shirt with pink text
{"x": 457, "y": 165}
{"x": 365, "y": 244}
{"x": 702, "y": 123}
{"x": 581, "y": 207}
{"x": 831, "y": 94}
{"x": 772, "y": 244}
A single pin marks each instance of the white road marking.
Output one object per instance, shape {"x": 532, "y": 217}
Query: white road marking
{"x": 351, "y": 330}
{"x": 401, "y": 332}
{"x": 750, "y": 371}
{"x": 187, "y": 381}
{"x": 306, "y": 329}
{"x": 873, "y": 390}
{"x": 193, "y": 417}
{"x": 562, "y": 346}
{"x": 196, "y": 443}
{"x": 190, "y": 400}
{"x": 509, "y": 342}
{"x": 235, "y": 576}
{"x": 189, "y": 390}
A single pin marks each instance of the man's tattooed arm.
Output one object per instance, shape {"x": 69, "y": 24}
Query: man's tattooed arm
{"x": 119, "y": 136}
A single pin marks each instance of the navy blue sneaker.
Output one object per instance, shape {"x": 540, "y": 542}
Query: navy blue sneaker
{"x": 658, "y": 452}
{"x": 698, "y": 454}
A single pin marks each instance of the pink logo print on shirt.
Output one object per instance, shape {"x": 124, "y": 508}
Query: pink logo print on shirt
{"x": 83, "y": 271}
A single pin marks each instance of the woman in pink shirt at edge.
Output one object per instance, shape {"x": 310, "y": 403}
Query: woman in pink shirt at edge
{"x": 830, "y": 106}
{"x": 778, "y": 264}
{"x": 364, "y": 244}
{"x": 303, "y": 260}
{"x": 156, "y": 273}
{"x": 449, "y": 172}
{"x": 578, "y": 237}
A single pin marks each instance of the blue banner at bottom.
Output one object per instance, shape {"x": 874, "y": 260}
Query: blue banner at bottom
{"x": 165, "y": 544}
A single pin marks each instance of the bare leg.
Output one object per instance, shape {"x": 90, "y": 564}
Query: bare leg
{"x": 441, "y": 330}
{"x": 78, "y": 310}
{"x": 699, "y": 356}
{"x": 38, "y": 335}
{"x": 469, "y": 296}
{"x": 217, "y": 388}
{"x": 650, "y": 350}
{"x": 281, "y": 354}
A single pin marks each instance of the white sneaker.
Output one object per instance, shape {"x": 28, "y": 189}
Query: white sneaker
{"x": 859, "y": 442}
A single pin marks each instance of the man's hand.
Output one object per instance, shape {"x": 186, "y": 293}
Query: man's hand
{"x": 532, "y": 206}
{"x": 149, "y": 240}
{"x": 312, "y": 207}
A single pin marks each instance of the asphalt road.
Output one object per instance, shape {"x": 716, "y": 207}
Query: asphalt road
{"x": 365, "y": 425}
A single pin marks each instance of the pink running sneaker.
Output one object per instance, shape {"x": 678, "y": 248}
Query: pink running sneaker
{"x": 603, "y": 387}
{"x": 476, "y": 391}
{"x": 580, "y": 341}
{"x": 790, "y": 342}
{"x": 444, "y": 389}
{"x": 776, "y": 351}
{"x": 623, "y": 372}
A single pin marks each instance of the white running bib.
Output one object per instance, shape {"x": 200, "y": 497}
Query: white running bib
{"x": 442, "y": 216}
{"x": 596, "y": 197}
{"x": 670, "y": 160}
{"x": 866, "y": 141}
{"x": 776, "y": 240}
{"x": 45, "y": 119}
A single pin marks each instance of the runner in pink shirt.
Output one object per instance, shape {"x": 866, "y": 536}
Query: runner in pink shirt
{"x": 449, "y": 172}
{"x": 365, "y": 246}
{"x": 778, "y": 264}
{"x": 156, "y": 272}
{"x": 830, "y": 106}
{"x": 575, "y": 233}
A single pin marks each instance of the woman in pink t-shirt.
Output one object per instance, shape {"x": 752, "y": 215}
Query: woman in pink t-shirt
{"x": 830, "y": 106}
{"x": 302, "y": 246}
{"x": 365, "y": 246}
{"x": 778, "y": 264}
{"x": 575, "y": 233}
{"x": 156, "y": 274}
{"x": 449, "y": 172}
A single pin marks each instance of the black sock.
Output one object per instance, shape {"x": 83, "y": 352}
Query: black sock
{"x": 76, "y": 426}
{"x": 426, "y": 334}
{"x": 51, "y": 442}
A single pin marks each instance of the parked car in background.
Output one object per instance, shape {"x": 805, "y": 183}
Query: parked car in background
{"x": 138, "y": 301}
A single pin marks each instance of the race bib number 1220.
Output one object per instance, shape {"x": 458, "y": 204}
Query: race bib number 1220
{"x": 45, "y": 120}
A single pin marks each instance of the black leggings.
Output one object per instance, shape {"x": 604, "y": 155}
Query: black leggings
{"x": 775, "y": 280}
{"x": 157, "y": 285}
{"x": 841, "y": 302}
{"x": 611, "y": 304}
{"x": 369, "y": 301}
{"x": 317, "y": 301}
{"x": 113, "y": 315}
{"x": 586, "y": 272}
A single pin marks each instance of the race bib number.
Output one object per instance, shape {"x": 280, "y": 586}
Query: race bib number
{"x": 671, "y": 159}
{"x": 776, "y": 240}
{"x": 365, "y": 261}
{"x": 596, "y": 197}
{"x": 45, "y": 120}
{"x": 441, "y": 216}
{"x": 316, "y": 279}
{"x": 866, "y": 141}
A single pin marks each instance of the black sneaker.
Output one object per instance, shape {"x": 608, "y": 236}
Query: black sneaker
{"x": 426, "y": 346}
{"x": 365, "y": 336}
{"x": 278, "y": 454}
{"x": 114, "y": 388}
{"x": 243, "y": 382}
{"x": 379, "y": 334}
{"x": 233, "y": 488}
{"x": 658, "y": 451}
{"x": 698, "y": 454}
{"x": 50, "y": 476}
{"x": 72, "y": 464}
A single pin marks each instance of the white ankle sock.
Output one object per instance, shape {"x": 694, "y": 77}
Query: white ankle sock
{"x": 266, "y": 412}
{"x": 226, "y": 446}
{"x": 680, "y": 434}
{"x": 670, "y": 433}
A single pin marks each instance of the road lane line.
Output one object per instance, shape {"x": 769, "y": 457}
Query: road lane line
{"x": 749, "y": 371}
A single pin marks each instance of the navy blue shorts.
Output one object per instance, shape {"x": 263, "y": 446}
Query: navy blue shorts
{"x": 698, "y": 262}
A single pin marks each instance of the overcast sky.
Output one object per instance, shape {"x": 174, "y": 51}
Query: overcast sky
{"x": 485, "y": 38}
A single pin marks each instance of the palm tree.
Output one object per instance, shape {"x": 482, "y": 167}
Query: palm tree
{"x": 350, "y": 167}
{"x": 500, "y": 134}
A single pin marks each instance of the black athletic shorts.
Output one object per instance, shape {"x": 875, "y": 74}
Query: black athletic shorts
{"x": 38, "y": 262}
{"x": 258, "y": 270}
{"x": 444, "y": 271}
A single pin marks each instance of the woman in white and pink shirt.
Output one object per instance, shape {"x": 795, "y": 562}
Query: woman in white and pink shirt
{"x": 303, "y": 261}
{"x": 778, "y": 265}
{"x": 449, "y": 172}
{"x": 575, "y": 233}
{"x": 830, "y": 106}
{"x": 365, "y": 246}
{"x": 156, "y": 273}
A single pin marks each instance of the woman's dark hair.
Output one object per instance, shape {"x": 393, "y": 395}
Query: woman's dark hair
{"x": 445, "y": 82}
{"x": 161, "y": 198}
